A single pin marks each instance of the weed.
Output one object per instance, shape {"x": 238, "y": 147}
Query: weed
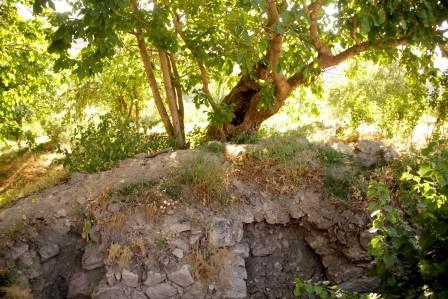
{"x": 245, "y": 138}
{"x": 160, "y": 241}
{"x": 206, "y": 178}
{"x": 140, "y": 244}
{"x": 281, "y": 148}
{"x": 216, "y": 147}
{"x": 331, "y": 156}
{"x": 86, "y": 228}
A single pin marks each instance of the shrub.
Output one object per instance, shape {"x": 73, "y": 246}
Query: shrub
{"x": 323, "y": 290}
{"x": 411, "y": 229}
{"x": 100, "y": 146}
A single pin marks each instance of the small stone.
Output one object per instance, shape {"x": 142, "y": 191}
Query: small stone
{"x": 129, "y": 278}
{"x": 61, "y": 213}
{"x": 161, "y": 291}
{"x": 93, "y": 258}
{"x": 154, "y": 278}
{"x": 236, "y": 288}
{"x": 110, "y": 278}
{"x": 182, "y": 276}
{"x": 48, "y": 251}
{"x": 225, "y": 232}
{"x": 117, "y": 276}
{"x": 195, "y": 291}
{"x": 241, "y": 249}
{"x": 178, "y": 253}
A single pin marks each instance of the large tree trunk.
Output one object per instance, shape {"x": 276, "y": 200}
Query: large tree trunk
{"x": 244, "y": 100}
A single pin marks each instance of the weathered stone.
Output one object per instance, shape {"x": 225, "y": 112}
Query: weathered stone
{"x": 194, "y": 238}
{"x": 277, "y": 215}
{"x": 61, "y": 213}
{"x": 79, "y": 286}
{"x": 181, "y": 244}
{"x": 182, "y": 276}
{"x": 32, "y": 262}
{"x": 369, "y": 146}
{"x": 195, "y": 291}
{"x": 129, "y": 278}
{"x": 136, "y": 294}
{"x": 161, "y": 291}
{"x": 103, "y": 291}
{"x": 343, "y": 148}
{"x": 117, "y": 276}
{"x": 225, "y": 232}
{"x": 175, "y": 225}
{"x": 178, "y": 253}
{"x": 93, "y": 257}
{"x": 236, "y": 288}
{"x": 154, "y": 278}
{"x": 241, "y": 249}
{"x": 47, "y": 251}
{"x": 259, "y": 248}
{"x": 17, "y": 251}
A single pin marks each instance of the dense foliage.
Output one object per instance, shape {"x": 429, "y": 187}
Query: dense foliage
{"x": 101, "y": 144}
{"x": 379, "y": 95}
{"x": 184, "y": 45}
{"x": 411, "y": 228}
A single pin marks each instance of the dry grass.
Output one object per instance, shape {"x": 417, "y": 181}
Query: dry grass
{"x": 207, "y": 262}
{"x": 281, "y": 171}
{"x": 120, "y": 254}
{"x": 14, "y": 292}
{"x": 206, "y": 178}
{"x": 24, "y": 174}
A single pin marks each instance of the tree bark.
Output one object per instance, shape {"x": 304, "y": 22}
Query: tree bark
{"x": 171, "y": 98}
{"x": 150, "y": 76}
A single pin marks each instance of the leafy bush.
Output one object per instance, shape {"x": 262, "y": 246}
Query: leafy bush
{"x": 411, "y": 229}
{"x": 323, "y": 290}
{"x": 100, "y": 146}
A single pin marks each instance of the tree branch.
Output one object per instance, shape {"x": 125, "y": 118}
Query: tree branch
{"x": 313, "y": 11}
{"x": 150, "y": 75}
{"x": 330, "y": 61}
{"x": 274, "y": 52}
{"x": 201, "y": 66}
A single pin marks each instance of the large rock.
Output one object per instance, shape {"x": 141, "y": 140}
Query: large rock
{"x": 93, "y": 257}
{"x": 225, "y": 232}
{"x": 129, "y": 278}
{"x": 47, "y": 251}
{"x": 154, "y": 278}
{"x": 182, "y": 276}
{"x": 161, "y": 291}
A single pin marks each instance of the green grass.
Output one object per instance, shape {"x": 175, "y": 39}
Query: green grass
{"x": 205, "y": 177}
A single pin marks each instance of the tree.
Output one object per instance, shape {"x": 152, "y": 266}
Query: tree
{"x": 277, "y": 45}
{"x": 26, "y": 77}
